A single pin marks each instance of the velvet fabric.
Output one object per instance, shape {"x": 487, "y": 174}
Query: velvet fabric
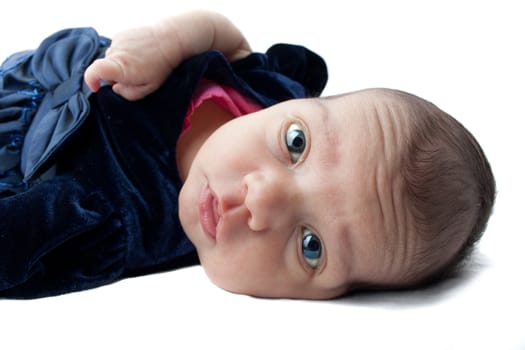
{"x": 88, "y": 182}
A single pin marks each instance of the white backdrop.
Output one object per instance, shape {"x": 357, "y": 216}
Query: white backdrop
{"x": 465, "y": 56}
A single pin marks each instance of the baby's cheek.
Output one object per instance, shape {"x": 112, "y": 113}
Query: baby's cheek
{"x": 221, "y": 275}
{"x": 185, "y": 214}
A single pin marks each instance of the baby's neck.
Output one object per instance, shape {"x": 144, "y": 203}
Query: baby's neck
{"x": 204, "y": 121}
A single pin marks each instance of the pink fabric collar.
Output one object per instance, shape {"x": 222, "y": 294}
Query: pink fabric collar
{"x": 224, "y": 96}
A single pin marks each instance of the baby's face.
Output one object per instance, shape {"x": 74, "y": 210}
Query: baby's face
{"x": 301, "y": 200}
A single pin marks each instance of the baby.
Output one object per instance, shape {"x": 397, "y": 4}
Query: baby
{"x": 309, "y": 198}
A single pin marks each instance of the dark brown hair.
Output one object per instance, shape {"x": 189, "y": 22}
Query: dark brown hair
{"x": 450, "y": 190}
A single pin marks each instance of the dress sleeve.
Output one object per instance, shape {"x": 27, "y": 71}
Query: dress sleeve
{"x": 284, "y": 72}
{"x": 62, "y": 237}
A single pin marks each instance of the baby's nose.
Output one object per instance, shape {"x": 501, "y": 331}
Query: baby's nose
{"x": 269, "y": 199}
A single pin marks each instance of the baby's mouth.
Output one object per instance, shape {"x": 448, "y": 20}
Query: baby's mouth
{"x": 208, "y": 211}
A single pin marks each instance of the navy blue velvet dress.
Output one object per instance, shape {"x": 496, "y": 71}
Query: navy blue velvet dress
{"x": 88, "y": 182}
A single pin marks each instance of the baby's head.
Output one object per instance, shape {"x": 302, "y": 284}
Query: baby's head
{"x": 449, "y": 189}
{"x": 314, "y": 198}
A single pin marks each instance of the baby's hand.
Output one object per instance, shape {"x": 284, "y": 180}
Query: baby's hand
{"x": 140, "y": 59}
{"x": 134, "y": 64}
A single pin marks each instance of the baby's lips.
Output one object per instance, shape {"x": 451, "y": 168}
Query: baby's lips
{"x": 208, "y": 211}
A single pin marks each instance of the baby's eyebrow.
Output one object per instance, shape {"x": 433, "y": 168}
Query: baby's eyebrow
{"x": 339, "y": 256}
{"x": 330, "y": 135}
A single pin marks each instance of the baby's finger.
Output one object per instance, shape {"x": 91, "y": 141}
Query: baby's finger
{"x": 103, "y": 69}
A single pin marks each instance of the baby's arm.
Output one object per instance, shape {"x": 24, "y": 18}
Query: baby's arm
{"x": 140, "y": 59}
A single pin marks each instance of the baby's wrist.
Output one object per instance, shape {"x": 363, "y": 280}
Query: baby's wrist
{"x": 168, "y": 44}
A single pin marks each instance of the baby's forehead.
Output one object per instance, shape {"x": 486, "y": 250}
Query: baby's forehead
{"x": 381, "y": 120}
{"x": 386, "y": 115}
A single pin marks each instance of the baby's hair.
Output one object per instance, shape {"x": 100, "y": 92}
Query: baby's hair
{"x": 450, "y": 190}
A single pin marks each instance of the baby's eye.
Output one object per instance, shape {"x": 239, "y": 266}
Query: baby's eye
{"x": 311, "y": 247}
{"x": 295, "y": 142}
